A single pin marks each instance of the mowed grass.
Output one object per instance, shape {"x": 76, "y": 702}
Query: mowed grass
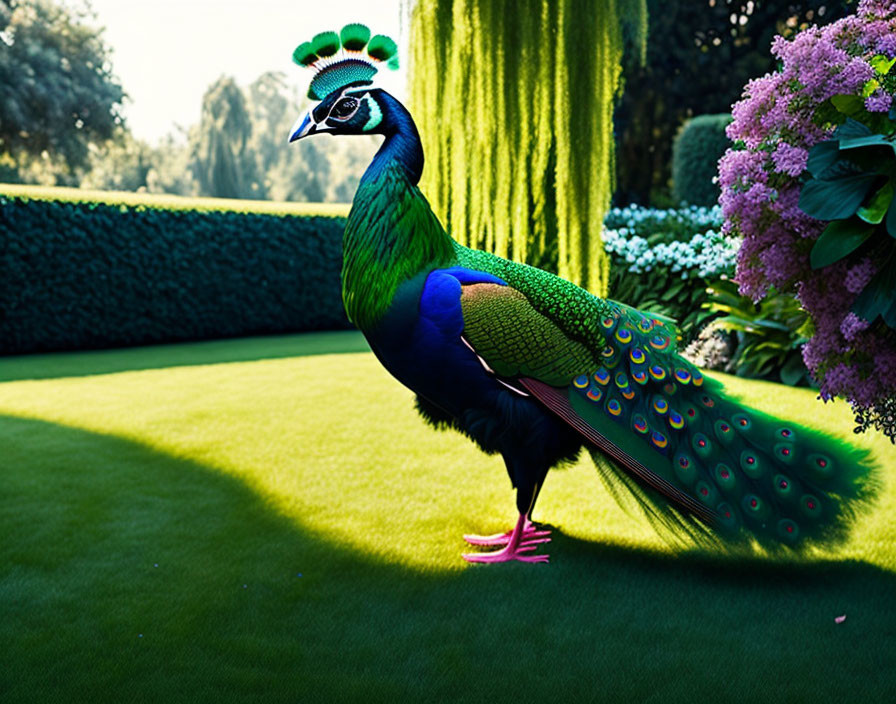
{"x": 286, "y": 529}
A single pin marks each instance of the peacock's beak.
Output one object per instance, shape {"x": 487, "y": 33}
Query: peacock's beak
{"x": 303, "y": 127}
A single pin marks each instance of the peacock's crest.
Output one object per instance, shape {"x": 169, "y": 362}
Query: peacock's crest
{"x": 343, "y": 58}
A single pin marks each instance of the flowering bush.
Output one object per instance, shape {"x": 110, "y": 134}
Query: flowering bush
{"x": 826, "y": 75}
{"x": 681, "y": 250}
{"x": 685, "y": 241}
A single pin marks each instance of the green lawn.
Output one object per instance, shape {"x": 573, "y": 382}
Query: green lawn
{"x": 268, "y": 520}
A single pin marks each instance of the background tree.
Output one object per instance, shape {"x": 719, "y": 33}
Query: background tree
{"x": 700, "y": 54}
{"x": 222, "y": 163}
{"x": 514, "y": 101}
{"x": 59, "y": 93}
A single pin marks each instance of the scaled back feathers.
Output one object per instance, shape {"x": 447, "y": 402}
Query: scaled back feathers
{"x": 339, "y": 59}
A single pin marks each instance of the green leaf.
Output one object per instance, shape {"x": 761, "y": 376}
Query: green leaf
{"x": 878, "y": 206}
{"x": 841, "y": 237}
{"x": 890, "y": 314}
{"x": 822, "y": 156}
{"x": 852, "y": 128}
{"x": 878, "y": 296}
{"x": 834, "y": 200}
{"x": 881, "y": 64}
{"x": 869, "y": 88}
{"x": 794, "y": 370}
{"x": 871, "y": 140}
{"x": 848, "y": 104}
{"x": 891, "y": 220}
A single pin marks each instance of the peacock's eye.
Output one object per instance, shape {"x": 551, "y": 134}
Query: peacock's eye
{"x": 344, "y": 109}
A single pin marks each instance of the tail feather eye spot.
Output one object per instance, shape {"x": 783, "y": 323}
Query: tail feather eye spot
{"x": 581, "y": 381}
{"x": 607, "y": 352}
{"x": 646, "y": 325}
{"x": 659, "y": 440}
{"x": 624, "y": 336}
{"x": 706, "y": 492}
{"x": 637, "y": 355}
{"x": 595, "y": 394}
{"x": 724, "y": 432}
{"x": 708, "y": 401}
{"x": 810, "y": 506}
{"x": 727, "y": 515}
{"x": 724, "y": 476}
{"x": 697, "y": 378}
{"x": 608, "y": 322}
{"x": 786, "y": 433}
{"x": 751, "y": 464}
{"x": 821, "y": 465}
{"x": 657, "y": 372}
{"x": 602, "y": 376}
{"x": 614, "y": 408}
{"x": 685, "y": 469}
{"x": 676, "y": 421}
{"x": 621, "y": 380}
{"x": 640, "y": 376}
{"x": 683, "y": 375}
{"x": 783, "y": 486}
{"x": 784, "y": 451}
{"x": 753, "y": 505}
{"x": 639, "y": 423}
{"x": 788, "y": 529}
{"x": 659, "y": 342}
{"x": 661, "y": 406}
{"x": 742, "y": 422}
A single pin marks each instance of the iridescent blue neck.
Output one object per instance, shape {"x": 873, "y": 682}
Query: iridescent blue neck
{"x": 402, "y": 145}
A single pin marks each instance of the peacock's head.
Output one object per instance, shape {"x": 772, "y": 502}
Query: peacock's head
{"x": 344, "y": 64}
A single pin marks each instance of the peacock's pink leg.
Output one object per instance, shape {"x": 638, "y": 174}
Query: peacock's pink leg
{"x": 531, "y": 534}
{"x": 518, "y": 546}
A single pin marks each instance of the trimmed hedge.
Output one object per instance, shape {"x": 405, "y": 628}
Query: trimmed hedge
{"x": 79, "y": 275}
{"x": 699, "y": 145}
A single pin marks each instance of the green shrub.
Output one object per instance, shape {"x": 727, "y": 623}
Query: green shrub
{"x": 90, "y": 275}
{"x": 769, "y": 335}
{"x": 662, "y": 261}
{"x": 699, "y": 145}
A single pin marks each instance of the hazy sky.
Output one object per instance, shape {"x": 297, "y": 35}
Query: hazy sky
{"x": 167, "y": 52}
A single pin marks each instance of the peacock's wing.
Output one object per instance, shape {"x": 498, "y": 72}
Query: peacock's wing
{"x": 691, "y": 456}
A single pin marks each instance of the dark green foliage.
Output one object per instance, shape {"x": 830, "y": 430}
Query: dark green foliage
{"x": 514, "y": 101}
{"x": 851, "y": 183}
{"x": 699, "y": 57}
{"x": 679, "y": 290}
{"x": 59, "y": 93}
{"x": 664, "y": 293}
{"x": 770, "y": 335}
{"x": 221, "y": 162}
{"x": 695, "y": 159}
{"x": 89, "y": 275}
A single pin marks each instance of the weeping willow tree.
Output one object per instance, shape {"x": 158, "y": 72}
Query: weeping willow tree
{"x": 514, "y": 101}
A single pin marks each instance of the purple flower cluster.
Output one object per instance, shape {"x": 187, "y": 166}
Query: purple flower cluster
{"x": 774, "y": 126}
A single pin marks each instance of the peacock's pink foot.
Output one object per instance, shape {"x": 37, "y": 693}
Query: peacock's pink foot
{"x": 518, "y": 544}
{"x": 531, "y": 534}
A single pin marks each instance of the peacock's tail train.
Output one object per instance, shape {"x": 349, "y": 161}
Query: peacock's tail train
{"x": 700, "y": 464}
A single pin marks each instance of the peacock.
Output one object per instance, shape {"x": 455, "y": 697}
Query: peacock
{"x": 535, "y": 368}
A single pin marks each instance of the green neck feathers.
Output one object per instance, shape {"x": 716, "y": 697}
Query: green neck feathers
{"x": 391, "y": 236}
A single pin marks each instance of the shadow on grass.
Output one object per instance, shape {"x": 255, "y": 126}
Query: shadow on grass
{"x": 126, "y": 573}
{"x": 91, "y": 362}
